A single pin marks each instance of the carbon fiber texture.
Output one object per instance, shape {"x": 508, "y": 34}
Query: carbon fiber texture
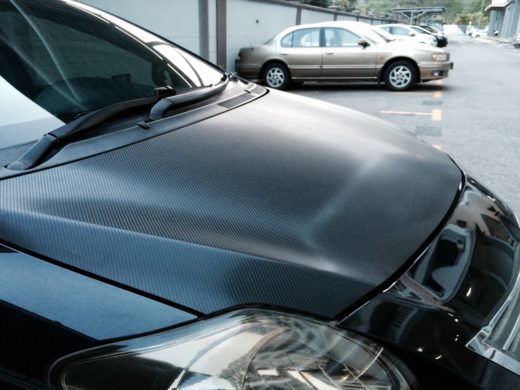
{"x": 283, "y": 201}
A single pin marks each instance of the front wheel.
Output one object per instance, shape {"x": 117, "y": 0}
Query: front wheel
{"x": 276, "y": 76}
{"x": 400, "y": 76}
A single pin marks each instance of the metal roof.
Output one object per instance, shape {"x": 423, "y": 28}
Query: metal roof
{"x": 415, "y": 13}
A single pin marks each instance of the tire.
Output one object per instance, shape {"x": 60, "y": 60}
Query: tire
{"x": 276, "y": 76}
{"x": 400, "y": 76}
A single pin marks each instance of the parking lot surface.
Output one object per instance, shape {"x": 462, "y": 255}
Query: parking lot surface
{"x": 473, "y": 115}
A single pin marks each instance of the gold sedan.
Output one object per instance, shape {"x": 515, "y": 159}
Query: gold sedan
{"x": 341, "y": 51}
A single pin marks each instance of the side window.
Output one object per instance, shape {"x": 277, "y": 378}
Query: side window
{"x": 287, "y": 40}
{"x": 308, "y": 37}
{"x": 396, "y": 30}
{"x": 339, "y": 37}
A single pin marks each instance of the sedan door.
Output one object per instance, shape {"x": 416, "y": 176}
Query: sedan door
{"x": 344, "y": 58}
{"x": 302, "y": 52}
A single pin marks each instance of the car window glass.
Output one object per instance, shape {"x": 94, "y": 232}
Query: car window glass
{"x": 22, "y": 120}
{"x": 287, "y": 40}
{"x": 67, "y": 61}
{"x": 396, "y": 30}
{"x": 339, "y": 37}
{"x": 75, "y": 67}
{"x": 308, "y": 37}
{"x": 198, "y": 72}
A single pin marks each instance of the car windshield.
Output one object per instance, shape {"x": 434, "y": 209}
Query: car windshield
{"x": 383, "y": 34}
{"x": 59, "y": 61}
{"x": 368, "y": 32}
{"x": 420, "y": 30}
{"x": 430, "y": 29}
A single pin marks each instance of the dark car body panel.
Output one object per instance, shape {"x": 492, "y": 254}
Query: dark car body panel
{"x": 55, "y": 311}
{"x": 451, "y": 293}
{"x": 241, "y": 209}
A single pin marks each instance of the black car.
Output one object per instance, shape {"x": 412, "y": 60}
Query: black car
{"x": 442, "y": 39}
{"x": 165, "y": 225}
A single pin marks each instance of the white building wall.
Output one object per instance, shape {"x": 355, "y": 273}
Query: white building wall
{"x": 312, "y": 16}
{"x": 251, "y": 23}
{"x": 212, "y": 21}
{"x": 346, "y": 18}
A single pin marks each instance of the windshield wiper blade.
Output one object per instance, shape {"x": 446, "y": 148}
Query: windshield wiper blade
{"x": 79, "y": 126}
{"x": 160, "y": 109}
{"x": 168, "y": 99}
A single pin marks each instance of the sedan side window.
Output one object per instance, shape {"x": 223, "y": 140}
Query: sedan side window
{"x": 308, "y": 37}
{"x": 287, "y": 40}
{"x": 396, "y": 30}
{"x": 339, "y": 37}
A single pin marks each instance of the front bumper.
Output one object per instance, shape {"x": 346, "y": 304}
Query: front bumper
{"x": 435, "y": 70}
{"x": 453, "y": 311}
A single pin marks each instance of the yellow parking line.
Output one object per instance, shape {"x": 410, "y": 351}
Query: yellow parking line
{"x": 438, "y": 82}
{"x": 437, "y": 115}
{"x": 437, "y": 94}
{"x": 407, "y": 113}
{"x": 437, "y": 146}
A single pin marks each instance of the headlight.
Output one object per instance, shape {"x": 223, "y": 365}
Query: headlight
{"x": 248, "y": 349}
{"x": 440, "y": 57}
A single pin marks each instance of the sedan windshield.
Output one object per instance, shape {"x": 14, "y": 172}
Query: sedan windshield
{"x": 59, "y": 61}
{"x": 368, "y": 32}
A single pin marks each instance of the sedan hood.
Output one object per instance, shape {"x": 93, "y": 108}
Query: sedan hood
{"x": 413, "y": 45}
{"x": 285, "y": 201}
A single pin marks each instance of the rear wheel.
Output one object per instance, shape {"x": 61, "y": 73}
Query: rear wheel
{"x": 400, "y": 76}
{"x": 276, "y": 75}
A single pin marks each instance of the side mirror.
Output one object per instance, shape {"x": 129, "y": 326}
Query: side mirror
{"x": 363, "y": 42}
{"x": 412, "y": 34}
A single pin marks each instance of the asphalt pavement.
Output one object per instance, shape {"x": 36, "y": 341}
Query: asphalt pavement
{"x": 473, "y": 115}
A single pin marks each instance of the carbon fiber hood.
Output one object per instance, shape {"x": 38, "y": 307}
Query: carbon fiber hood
{"x": 284, "y": 201}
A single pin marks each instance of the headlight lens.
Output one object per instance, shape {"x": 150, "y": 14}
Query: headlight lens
{"x": 440, "y": 57}
{"x": 249, "y": 349}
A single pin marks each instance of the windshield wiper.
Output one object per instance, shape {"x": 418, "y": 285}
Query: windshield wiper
{"x": 81, "y": 125}
{"x": 160, "y": 109}
{"x": 164, "y": 100}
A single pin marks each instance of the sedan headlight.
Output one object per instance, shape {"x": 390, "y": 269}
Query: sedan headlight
{"x": 249, "y": 349}
{"x": 440, "y": 57}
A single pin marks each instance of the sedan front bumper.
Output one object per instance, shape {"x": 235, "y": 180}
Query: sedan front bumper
{"x": 435, "y": 70}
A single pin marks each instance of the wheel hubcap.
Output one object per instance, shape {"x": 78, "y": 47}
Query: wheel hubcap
{"x": 400, "y": 76}
{"x": 275, "y": 77}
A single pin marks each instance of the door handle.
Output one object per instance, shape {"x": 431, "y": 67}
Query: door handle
{"x": 329, "y": 53}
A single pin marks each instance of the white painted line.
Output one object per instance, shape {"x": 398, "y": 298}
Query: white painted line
{"x": 407, "y": 113}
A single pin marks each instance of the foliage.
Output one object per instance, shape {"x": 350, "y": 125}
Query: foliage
{"x": 318, "y": 3}
{"x": 457, "y": 11}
